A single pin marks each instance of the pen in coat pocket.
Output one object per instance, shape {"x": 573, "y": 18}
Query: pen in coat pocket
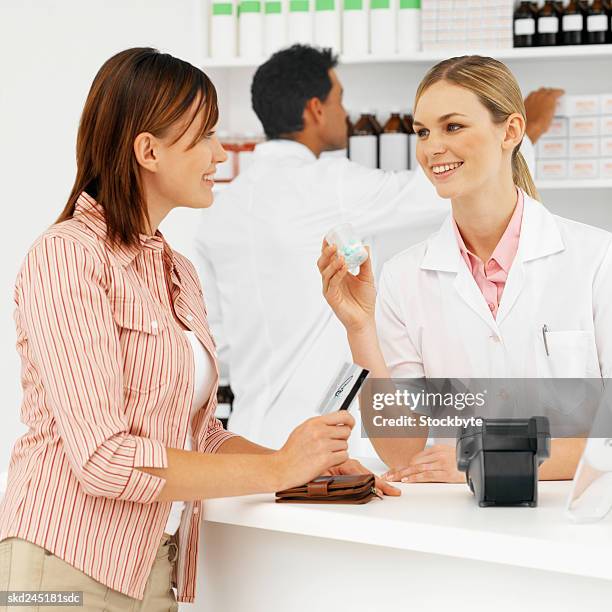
{"x": 544, "y": 332}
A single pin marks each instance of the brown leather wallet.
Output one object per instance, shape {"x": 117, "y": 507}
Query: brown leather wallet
{"x": 344, "y": 489}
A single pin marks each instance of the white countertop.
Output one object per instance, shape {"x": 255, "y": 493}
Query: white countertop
{"x": 441, "y": 519}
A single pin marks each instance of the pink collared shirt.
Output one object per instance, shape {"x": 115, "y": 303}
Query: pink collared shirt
{"x": 108, "y": 381}
{"x": 491, "y": 277}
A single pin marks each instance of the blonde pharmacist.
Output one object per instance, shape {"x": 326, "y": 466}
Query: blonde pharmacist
{"x": 472, "y": 301}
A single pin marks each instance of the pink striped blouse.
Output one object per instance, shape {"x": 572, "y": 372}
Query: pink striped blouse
{"x": 107, "y": 377}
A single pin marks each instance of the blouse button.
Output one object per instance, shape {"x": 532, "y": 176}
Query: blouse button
{"x": 154, "y": 326}
{"x": 189, "y": 318}
{"x": 196, "y": 510}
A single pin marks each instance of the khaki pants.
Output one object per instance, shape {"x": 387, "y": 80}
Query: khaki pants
{"x": 27, "y": 567}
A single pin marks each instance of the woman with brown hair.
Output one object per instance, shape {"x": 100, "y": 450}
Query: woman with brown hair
{"x": 118, "y": 366}
{"x": 505, "y": 289}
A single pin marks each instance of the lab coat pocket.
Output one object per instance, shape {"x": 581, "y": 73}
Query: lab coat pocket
{"x": 567, "y": 358}
{"x": 567, "y": 355}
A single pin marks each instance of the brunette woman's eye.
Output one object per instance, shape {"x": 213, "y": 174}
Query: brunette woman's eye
{"x": 422, "y": 133}
{"x": 453, "y": 127}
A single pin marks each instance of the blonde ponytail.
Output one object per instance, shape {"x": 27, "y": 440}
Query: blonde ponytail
{"x": 497, "y": 90}
{"x": 522, "y": 176}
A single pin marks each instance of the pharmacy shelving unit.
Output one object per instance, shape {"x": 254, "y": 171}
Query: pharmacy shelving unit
{"x": 384, "y": 83}
{"x": 425, "y": 57}
{"x": 575, "y": 184}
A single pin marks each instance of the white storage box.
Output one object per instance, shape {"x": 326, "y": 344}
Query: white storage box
{"x": 584, "y": 127}
{"x": 551, "y": 169}
{"x": 573, "y": 106}
{"x": 605, "y": 149}
{"x": 605, "y": 168}
{"x": 606, "y": 104}
{"x": 605, "y": 125}
{"x": 583, "y": 147}
{"x": 584, "y": 168}
{"x": 557, "y": 129}
{"x": 552, "y": 148}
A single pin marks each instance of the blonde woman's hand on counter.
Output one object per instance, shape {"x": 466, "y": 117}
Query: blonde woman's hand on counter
{"x": 436, "y": 463}
{"x": 352, "y": 298}
{"x": 352, "y": 466}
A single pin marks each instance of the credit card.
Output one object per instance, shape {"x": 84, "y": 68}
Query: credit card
{"x": 343, "y": 389}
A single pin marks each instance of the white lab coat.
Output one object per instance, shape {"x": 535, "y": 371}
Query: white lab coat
{"x": 256, "y": 252}
{"x": 433, "y": 320}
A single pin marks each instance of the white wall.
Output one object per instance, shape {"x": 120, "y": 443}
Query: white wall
{"x": 50, "y": 51}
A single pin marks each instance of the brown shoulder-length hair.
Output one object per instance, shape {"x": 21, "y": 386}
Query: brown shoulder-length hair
{"x": 137, "y": 90}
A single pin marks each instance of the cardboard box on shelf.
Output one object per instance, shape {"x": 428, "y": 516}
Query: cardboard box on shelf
{"x": 551, "y": 169}
{"x": 552, "y": 148}
{"x": 584, "y": 127}
{"x": 584, "y": 168}
{"x": 605, "y": 168}
{"x": 557, "y": 129}
{"x": 583, "y": 147}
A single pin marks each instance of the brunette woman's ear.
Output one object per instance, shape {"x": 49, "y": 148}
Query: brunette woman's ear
{"x": 146, "y": 151}
{"x": 515, "y": 130}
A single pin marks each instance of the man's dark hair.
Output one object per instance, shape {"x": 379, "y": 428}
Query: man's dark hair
{"x": 282, "y": 86}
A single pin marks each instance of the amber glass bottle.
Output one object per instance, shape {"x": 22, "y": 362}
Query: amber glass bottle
{"x": 573, "y": 24}
{"x": 597, "y": 23}
{"x": 394, "y": 144}
{"x": 524, "y": 26}
{"x": 363, "y": 142}
{"x": 548, "y": 25}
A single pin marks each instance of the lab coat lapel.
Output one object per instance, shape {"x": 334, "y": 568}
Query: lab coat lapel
{"x": 468, "y": 290}
{"x": 539, "y": 237}
{"x": 443, "y": 255}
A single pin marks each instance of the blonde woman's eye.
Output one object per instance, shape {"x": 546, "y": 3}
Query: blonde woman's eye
{"x": 453, "y": 127}
{"x": 422, "y": 133}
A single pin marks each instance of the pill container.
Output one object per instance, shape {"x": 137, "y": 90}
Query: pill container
{"x": 349, "y": 245}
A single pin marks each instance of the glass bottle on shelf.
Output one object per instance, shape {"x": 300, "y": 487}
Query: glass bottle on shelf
{"x": 548, "y": 25}
{"x": 524, "y": 25}
{"x": 394, "y": 144}
{"x": 597, "y": 23}
{"x": 363, "y": 142}
{"x": 572, "y": 24}
{"x": 407, "y": 120}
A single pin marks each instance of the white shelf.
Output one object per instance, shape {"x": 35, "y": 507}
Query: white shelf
{"x": 542, "y": 53}
{"x": 574, "y": 184}
{"x": 543, "y": 185}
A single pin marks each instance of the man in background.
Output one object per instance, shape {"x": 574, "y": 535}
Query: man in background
{"x": 258, "y": 245}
